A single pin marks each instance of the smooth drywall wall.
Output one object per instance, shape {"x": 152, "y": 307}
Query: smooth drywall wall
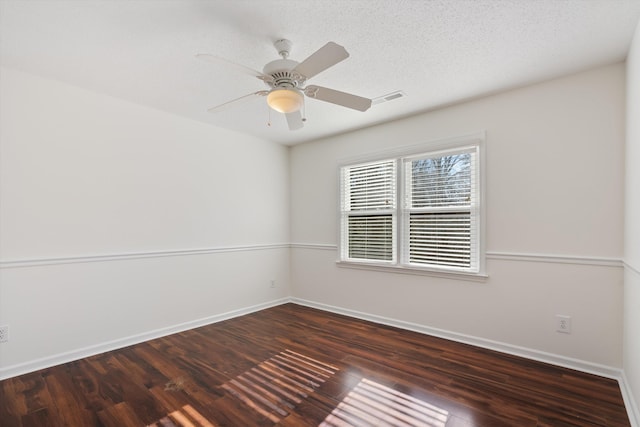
{"x": 632, "y": 228}
{"x": 554, "y": 200}
{"x": 120, "y": 221}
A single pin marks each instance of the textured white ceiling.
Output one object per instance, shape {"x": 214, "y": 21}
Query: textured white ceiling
{"x": 438, "y": 51}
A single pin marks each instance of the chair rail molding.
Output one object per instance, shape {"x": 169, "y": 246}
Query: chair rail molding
{"x": 34, "y": 262}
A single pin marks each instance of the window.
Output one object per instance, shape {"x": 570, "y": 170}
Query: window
{"x": 414, "y": 211}
{"x": 370, "y": 197}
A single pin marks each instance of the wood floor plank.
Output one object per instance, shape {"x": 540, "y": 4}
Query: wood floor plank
{"x": 178, "y": 400}
{"x": 294, "y": 366}
{"x": 12, "y": 400}
{"x": 119, "y": 415}
{"x": 39, "y": 418}
{"x": 70, "y": 405}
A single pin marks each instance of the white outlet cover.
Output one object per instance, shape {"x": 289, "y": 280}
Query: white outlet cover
{"x": 4, "y": 333}
{"x": 563, "y": 324}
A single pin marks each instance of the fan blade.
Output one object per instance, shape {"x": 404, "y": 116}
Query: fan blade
{"x": 336, "y": 97}
{"x": 238, "y": 67}
{"x": 233, "y": 102}
{"x": 294, "y": 120}
{"x": 327, "y": 56}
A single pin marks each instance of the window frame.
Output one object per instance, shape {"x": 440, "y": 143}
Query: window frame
{"x": 393, "y": 212}
{"x": 475, "y": 142}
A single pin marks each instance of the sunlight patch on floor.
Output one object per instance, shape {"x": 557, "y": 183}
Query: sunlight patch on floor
{"x": 373, "y": 404}
{"x": 186, "y": 416}
{"x": 274, "y": 387}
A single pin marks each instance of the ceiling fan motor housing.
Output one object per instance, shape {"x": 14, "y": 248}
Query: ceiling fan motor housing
{"x": 281, "y": 72}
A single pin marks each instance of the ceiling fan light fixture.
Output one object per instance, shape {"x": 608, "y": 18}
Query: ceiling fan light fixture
{"x": 285, "y": 100}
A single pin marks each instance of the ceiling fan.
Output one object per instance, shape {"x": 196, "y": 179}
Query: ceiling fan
{"x": 286, "y": 81}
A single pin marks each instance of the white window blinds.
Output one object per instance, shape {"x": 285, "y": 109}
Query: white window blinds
{"x": 440, "y": 210}
{"x": 420, "y": 211}
{"x": 369, "y": 211}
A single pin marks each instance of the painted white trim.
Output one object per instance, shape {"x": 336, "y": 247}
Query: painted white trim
{"x": 558, "y": 259}
{"x": 403, "y": 269}
{"x": 541, "y": 356}
{"x": 515, "y": 256}
{"x": 315, "y": 246}
{"x": 632, "y": 268}
{"x": 135, "y": 255}
{"x": 504, "y": 256}
{"x": 57, "y": 359}
{"x": 629, "y": 402}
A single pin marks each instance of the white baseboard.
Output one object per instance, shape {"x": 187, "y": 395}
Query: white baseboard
{"x": 57, "y": 359}
{"x": 629, "y": 401}
{"x": 553, "y": 359}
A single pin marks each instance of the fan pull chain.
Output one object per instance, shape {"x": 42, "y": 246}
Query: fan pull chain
{"x": 304, "y": 109}
{"x": 269, "y": 121}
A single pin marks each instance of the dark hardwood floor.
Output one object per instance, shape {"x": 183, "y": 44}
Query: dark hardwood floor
{"x": 296, "y": 366}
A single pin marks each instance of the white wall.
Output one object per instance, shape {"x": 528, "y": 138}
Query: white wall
{"x": 118, "y": 222}
{"x": 555, "y": 168}
{"x": 632, "y": 228}
{"x": 93, "y": 187}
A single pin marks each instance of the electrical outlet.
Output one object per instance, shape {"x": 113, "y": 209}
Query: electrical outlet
{"x": 273, "y": 283}
{"x": 4, "y": 333}
{"x": 563, "y": 324}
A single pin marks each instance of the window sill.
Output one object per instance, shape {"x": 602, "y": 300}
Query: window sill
{"x": 458, "y": 275}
